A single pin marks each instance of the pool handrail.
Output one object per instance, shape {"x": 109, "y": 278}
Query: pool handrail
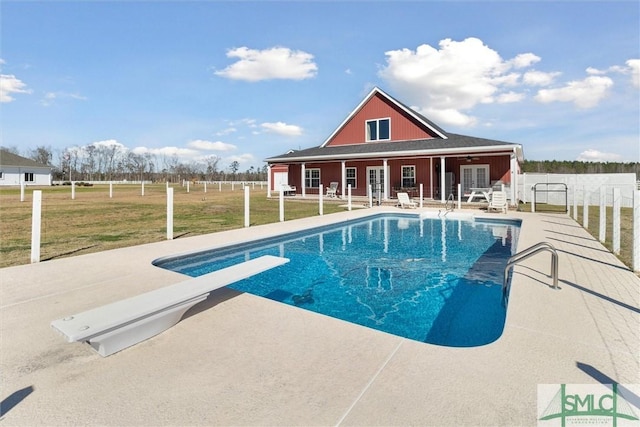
{"x": 527, "y": 253}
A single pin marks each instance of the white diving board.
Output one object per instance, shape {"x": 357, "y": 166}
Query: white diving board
{"x": 121, "y": 324}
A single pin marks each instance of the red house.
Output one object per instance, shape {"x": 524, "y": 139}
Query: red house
{"x": 384, "y": 147}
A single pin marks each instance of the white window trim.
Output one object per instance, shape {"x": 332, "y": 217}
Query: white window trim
{"x": 366, "y": 129}
{"x": 402, "y": 174}
{"x": 355, "y": 176}
{"x": 308, "y": 171}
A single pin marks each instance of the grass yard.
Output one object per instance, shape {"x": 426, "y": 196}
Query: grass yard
{"x": 94, "y": 222}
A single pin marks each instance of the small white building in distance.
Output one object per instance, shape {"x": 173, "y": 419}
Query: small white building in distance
{"x": 14, "y": 170}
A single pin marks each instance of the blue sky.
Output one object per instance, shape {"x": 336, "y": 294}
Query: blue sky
{"x": 248, "y": 80}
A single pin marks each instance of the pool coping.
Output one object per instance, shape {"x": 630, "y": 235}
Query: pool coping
{"x": 260, "y": 362}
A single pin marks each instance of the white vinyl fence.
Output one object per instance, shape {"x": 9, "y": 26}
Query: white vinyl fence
{"x": 616, "y": 190}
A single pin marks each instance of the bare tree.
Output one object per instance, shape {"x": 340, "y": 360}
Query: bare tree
{"x": 42, "y": 155}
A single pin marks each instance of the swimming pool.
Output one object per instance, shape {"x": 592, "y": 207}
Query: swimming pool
{"x": 436, "y": 280}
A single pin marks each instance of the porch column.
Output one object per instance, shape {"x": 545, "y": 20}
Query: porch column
{"x": 431, "y": 177}
{"x": 268, "y": 179}
{"x": 343, "y": 173}
{"x": 514, "y": 179}
{"x": 303, "y": 172}
{"x": 386, "y": 179}
{"x": 443, "y": 195}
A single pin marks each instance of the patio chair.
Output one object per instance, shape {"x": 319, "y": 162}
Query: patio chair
{"x": 288, "y": 190}
{"x": 332, "y": 189}
{"x": 404, "y": 200}
{"x": 498, "y": 202}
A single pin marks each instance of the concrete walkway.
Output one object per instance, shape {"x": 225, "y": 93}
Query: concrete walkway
{"x": 238, "y": 359}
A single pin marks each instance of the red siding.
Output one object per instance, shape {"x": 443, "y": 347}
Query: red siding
{"x": 403, "y": 126}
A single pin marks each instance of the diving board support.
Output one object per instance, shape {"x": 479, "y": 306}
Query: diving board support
{"x": 116, "y": 326}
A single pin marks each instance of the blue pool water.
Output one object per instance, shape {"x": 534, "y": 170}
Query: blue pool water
{"x": 428, "y": 279}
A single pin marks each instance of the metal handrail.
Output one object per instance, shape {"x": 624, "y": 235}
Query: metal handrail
{"x": 529, "y": 252}
{"x": 452, "y": 200}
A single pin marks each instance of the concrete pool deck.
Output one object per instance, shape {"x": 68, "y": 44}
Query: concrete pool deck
{"x": 238, "y": 359}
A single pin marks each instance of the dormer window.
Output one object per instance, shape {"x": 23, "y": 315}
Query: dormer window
{"x": 378, "y": 129}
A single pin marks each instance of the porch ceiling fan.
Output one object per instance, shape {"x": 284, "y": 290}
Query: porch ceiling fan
{"x": 468, "y": 158}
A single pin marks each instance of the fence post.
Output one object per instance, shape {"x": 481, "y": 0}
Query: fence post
{"x": 142, "y": 188}
{"x": 110, "y": 190}
{"x": 370, "y": 196}
{"x": 169, "y": 213}
{"x": 349, "y": 197}
{"x": 281, "y": 201}
{"x": 636, "y": 230}
{"x": 602, "y": 236}
{"x": 320, "y": 204}
{"x": 459, "y": 196}
{"x": 219, "y": 186}
{"x": 575, "y": 202}
{"x": 36, "y": 226}
{"x": 22, "y": 191}
{"x": 585, "y": 210}
{"x": 533, "y": 199}
{"x": 421, "y": 194}
{"x": 73, "y": 190}
{"x": 616, "y": 221}
{"x": 187, "y": 186}
{"x": 246, "y": 206}
{"x": 205, "y": 186}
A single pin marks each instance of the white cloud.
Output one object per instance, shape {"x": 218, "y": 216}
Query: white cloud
{"x": 226, "y": 131}
{"x": 273, "y": 63}
{"x": 453, "y": 78}
{"x": 585, "y": 93}
{"x": 281, "y": 128}
{"x": 168, "y": 151}
{"x": 200, "y": 144}
{"x": 592, "y": 155}
{"x": 509, "y": 97}
{"x": 110, "y": 143}
{"x": 447, "y": 115}
{"x": 243, "y": 159}
{"x": 50, "y": 97}
{"x": 634, "y": 68}
{"x": 9, "y": 85}
{"x": 524, "y": 60}
{"x": 539, "y": 78}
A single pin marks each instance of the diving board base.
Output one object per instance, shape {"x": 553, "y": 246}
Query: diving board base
{"x": 112, "y": 342}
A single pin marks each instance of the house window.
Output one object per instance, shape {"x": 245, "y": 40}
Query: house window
{"x": 312, "y": 178}
{"x": 28, "y": 177}
{"x": 378, "y": 130}
{"x": 351, "y": 177}
{"x": 408, "y": 176}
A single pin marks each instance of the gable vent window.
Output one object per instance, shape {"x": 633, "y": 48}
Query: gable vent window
{"x": 378, "y": 130}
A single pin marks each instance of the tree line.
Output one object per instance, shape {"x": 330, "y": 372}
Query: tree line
{"x": 578, "y": 167}
{"x": 103, "y": 162}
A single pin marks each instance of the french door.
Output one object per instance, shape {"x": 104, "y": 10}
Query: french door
{"x": 376, "y": 179}
{"x": 474, "y": 176}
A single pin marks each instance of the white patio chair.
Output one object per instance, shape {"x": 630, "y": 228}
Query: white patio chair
{"x": 404, "y": 200}
{"x": 332, "y": 189}
{"x": 498, "y": 202}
